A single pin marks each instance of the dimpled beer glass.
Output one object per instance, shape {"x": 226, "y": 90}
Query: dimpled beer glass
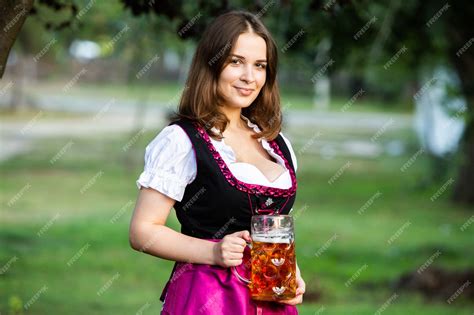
{"x": 273, "y": 267}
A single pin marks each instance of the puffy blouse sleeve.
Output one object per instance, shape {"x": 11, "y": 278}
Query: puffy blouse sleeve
{"x": 170, "y": 163}
{"x": 292, "y": 153}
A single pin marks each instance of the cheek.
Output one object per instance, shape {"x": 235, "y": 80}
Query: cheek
{"x": 229, "y": 74}
{"x": 261, "y": 79}
{"x": 226, "y": 78}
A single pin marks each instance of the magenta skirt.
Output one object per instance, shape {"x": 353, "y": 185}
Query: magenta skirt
{"x": 214, "y": 290}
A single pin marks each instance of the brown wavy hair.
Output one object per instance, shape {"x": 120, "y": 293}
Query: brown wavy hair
{"x": 200, "y": 98}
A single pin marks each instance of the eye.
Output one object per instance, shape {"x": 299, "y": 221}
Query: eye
{"x": 235, "y": 61}
{"x": 261, "y": 65}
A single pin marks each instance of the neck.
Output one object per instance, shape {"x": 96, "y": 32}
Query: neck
{"x": 233, "y": 114}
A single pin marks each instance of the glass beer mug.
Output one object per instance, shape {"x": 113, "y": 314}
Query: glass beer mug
{"x": 273, "y": 266}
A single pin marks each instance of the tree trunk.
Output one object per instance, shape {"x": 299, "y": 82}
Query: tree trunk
{"x": 13, "y": 14}
{"x": 462, "y": 57}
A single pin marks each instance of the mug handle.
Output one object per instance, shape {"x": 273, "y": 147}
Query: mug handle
{"x": 237, "y": 274}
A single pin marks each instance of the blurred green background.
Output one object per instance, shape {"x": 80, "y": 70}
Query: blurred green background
{"x": 383, "y": 214}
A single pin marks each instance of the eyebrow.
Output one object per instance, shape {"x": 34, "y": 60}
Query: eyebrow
{"x": 260, "y": 60}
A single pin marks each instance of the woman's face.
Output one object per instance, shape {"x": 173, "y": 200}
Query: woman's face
{"x": 243, "y": 77}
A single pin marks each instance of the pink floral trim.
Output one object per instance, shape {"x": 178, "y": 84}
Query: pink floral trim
{"x": 250, "y": 188}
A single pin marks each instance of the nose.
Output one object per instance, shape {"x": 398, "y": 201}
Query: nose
{"x": 247, "y": 74}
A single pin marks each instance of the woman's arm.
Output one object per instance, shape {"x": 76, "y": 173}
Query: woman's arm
{"x": 149, "y": 234}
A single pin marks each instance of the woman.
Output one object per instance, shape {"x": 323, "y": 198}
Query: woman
{"x": 220, "y": 161}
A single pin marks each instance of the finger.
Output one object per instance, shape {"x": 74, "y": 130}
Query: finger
{"x": 294, "y": 301}
{"x": 234, "y": 262}
{"x": 234, "y": 240}
{"x": 244, "y": 235}
{"x": 236, "y": 256}
{"x": 235, "y": 248}
{"x": 238, "y": 241}
{"x": 288, "y": 302}
{"x": 301, "y": 284}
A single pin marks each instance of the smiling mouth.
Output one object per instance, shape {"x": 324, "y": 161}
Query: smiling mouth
{"x": 244, "y": 89}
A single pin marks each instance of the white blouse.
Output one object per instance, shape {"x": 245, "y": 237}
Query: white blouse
{"x": 170, "y": 164}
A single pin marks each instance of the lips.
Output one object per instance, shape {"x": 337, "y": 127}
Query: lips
{"x": 244, "y": 91}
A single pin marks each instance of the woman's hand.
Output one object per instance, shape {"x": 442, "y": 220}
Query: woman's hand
{"x": 230, "y": 251}
{"x": 301, "y": 287}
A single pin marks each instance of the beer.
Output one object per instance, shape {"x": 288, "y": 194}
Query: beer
{"x": 273, "y": 266}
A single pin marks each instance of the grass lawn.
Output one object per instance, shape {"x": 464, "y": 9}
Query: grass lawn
{"x": 64, "y": 233}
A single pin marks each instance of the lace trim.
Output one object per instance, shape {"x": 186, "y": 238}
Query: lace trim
{"x": 245, "y": 187}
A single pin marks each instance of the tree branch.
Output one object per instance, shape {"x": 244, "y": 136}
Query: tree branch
{"x": 12, "y": 16}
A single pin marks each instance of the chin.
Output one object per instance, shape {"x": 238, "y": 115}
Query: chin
{"x": 244, "y": 105}
{"x": 240, "y": 104}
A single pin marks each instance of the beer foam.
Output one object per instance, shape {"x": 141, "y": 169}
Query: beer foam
{"x": 271, "y": 238}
